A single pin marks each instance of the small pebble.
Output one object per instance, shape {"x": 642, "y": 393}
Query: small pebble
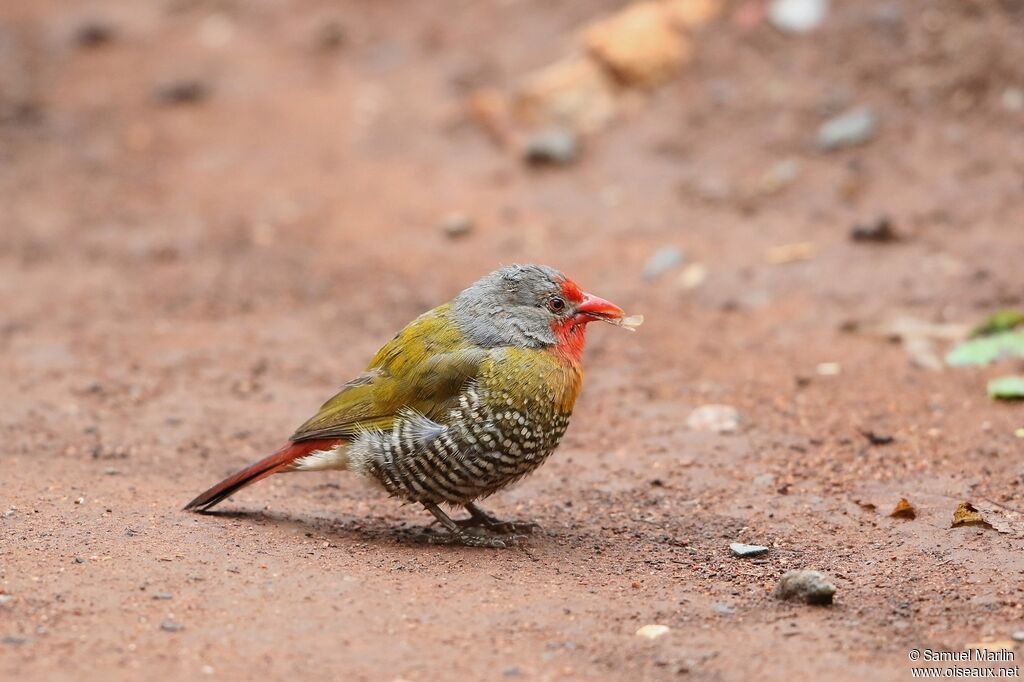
{"x": 879, "y": 231}
{"x": 661, "y": 261}
{"x": 94, "y": 33}
{"x": 79, "y": 560}
{"x": 828, "y": 369}
{"x": 186, "y": 91}
{"x": 554, "y": 146}
{"x": 457, "y": 225}
{"x": 810, "y": 587}
{"x": 739, "y": 549}
{"x": 714, "y": 418}
{"x": 14, "y": 640}
{"x": 723, "y": 609}
{"x": 1018, "y": 636}
{"x": 852, "y": 128}
{"x": 163, "y": 595}
{"x": 797, "y": 16}
{"x": 6, "y": 598}
{"x": 652, "y": 631}
{"x": 693, "y": 275}
{"x": 171, "y": 626}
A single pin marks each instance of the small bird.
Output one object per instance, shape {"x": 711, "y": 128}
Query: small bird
{"x": 464, "y": 401}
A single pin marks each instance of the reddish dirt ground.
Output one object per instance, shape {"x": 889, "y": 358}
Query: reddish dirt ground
{"x": 181, "y": 285}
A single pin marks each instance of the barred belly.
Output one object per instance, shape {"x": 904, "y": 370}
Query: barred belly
{"x": 485, "y": 446}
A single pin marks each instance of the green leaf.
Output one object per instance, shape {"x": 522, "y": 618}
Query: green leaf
{"x": 1007, "y": 388}
{"x": 1002, "y": 321}
{"x": 987, "y": 349}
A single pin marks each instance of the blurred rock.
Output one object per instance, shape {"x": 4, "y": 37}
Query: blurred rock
{"x": 855, "y": 127}
{"x": 184, "y": 91}
{"x": 457, "y": 225}
{"x": 554, "y": 146}
{"x": 661, "y": 261}
{"x": 641, "y": 44}
{"x": 330, "y": 35}
{"x": 93, "y": 33}
{"x": 879, "y": 231}
{"x": 790, "y": 253}
{"x": 575, "y": 93}
{"x": 692, "y": 276}
{"x": 797, "y": 16}
{"x": 810, "y": 587}
{"x": 778, "y": 177}
{"x": 714, "y": 418}
{"x": 1012, "y": 99}
{"x": 652, "y": 631}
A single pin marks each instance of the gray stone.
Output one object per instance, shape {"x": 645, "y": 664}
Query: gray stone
{"x": 741, "y": 550}
{"x": 553, "y": 146}
{"x": 849, "y": 129}
{"x": 810, "y": 587}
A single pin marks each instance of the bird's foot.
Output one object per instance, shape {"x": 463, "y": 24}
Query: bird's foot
{"x": 478, "y": 518}
{"x": 497, "y": 526}
{"x": 469, "y": 538}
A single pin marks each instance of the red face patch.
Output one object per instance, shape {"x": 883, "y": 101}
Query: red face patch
{"x": 572, "y": 291}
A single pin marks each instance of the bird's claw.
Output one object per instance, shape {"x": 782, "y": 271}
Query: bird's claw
{"x": 499, "y": 527}
{"x": 470, "y": 539}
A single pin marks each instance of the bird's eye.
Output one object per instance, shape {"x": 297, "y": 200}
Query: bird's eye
{"x": 556, "y": 304}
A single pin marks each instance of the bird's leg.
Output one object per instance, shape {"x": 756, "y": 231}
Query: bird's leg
{"x": 458, "y": 535}
{"x": 478, "y": 518}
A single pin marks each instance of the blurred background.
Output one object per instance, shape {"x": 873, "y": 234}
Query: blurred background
{"x": 212, "y": 212}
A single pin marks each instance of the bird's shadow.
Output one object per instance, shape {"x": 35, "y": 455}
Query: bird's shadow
{"x": 385, "y": 532}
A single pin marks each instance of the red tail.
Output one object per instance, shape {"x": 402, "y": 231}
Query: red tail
{"x": 276, "y": 462}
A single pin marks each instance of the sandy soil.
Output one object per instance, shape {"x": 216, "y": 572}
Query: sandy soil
{"x": 182, "y": 284}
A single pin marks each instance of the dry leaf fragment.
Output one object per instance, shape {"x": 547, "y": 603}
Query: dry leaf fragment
{"x": 904, "y": 510}
{"x": 968, "y": 515}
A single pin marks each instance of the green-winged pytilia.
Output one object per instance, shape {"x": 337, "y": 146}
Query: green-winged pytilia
{"x": 467, "y": 399}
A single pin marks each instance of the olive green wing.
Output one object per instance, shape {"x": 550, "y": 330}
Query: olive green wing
{"x": 424, "y": 368}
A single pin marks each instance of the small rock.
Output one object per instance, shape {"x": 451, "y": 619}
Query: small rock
{"x": 163, "y": 595}
{"x": 714, "y": 418}
{"x": 6, "y": 598}
{"x": 876, "y": 438}
{"x": 879, "y": 231}
{"x": 330, "y": 35}
{"x": 94, "y": 33}
{"x": 79, "y": 560}
{"x": 1013, "y": 99}
{"x": 723, "y": 609}
{"x": 790, "y": 253}
{"x": 14, "y": 640}
{"x": 457, "y": 225}
{"x": 185, "y": 91}
{"x": 10, "y": 514}
{"x": 1018, "y": 636}
{"x": 552, "y": 147}
{"x": 828, "y": 369}
{"x": 849, "y": 129}
{"x": 692, "y": 276}
{"x": 810, "y": 587}
{"x": 739, "y": 549}
{"x": 514, "y": 671}
{"x": 640, "y": 44}
{"x": 171, "y": 626}
{"x": 652, "y": 631}
{"x": 661, "y": 261}
{"x": 797, "y": 16}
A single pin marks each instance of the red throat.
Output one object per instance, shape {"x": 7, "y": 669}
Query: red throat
{"x": 571, "y": 332}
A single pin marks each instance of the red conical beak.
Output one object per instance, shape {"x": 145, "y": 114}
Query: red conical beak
{"x": 596, "y": 308}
